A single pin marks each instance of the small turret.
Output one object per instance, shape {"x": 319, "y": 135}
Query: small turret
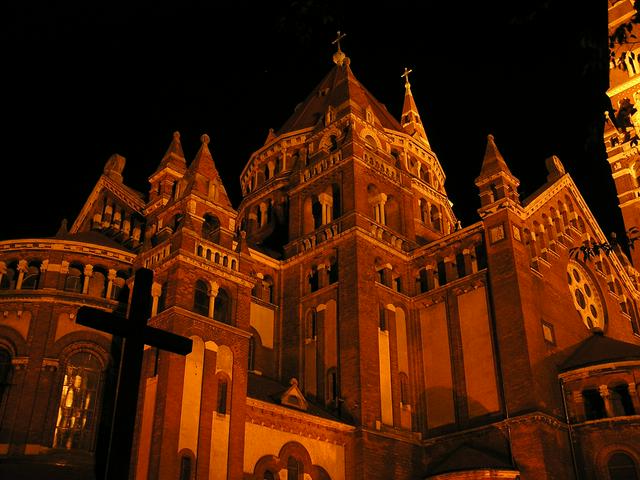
{"x": 410, "y": 119}
{"x": 496, "y": 182}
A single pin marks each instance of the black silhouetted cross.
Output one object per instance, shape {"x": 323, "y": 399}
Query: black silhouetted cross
{"x": 136, "y": 334}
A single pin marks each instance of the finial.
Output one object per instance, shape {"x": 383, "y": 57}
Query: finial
{"x": 176, "y": 135}
{"x": 205, "y": 139}
{"x": 406, "y": 73}
{"x": 490, "y": 138}
{"x": 339, "y": 56}
{"x": 293, "y": 381}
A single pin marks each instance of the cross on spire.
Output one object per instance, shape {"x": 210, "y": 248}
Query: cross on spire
{"x": 406, "y": 73}
{"x": 339, "y": 37}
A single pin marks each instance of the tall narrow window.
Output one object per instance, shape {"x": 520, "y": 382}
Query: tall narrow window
{"x": 76, "y": 420}
{"x": 621, "y": 401}
{"x": 201, "y": 298}
{"x": 222, "y": 396}
{"x": 593, "y": 405}
{"x": 31, "y": 277}
{"x": 222, "y": 307}
{"x": 294, "y": 469}
{"x": 383, "y": 318}
{"x": 75, "y": 278}
{"x": 185, "y": 468}
{"x": 252, "y": 354}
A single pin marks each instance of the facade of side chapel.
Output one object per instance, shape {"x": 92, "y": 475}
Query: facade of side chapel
{"x": 344, "y": 324}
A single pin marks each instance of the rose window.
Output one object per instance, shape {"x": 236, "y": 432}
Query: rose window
{"x": 585, "y": 296}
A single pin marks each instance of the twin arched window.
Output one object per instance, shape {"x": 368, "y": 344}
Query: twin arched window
{"x": 202, "y": 299}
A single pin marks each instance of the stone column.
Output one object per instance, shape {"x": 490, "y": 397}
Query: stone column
{"x": 326, "y": 201}
{"x": 88, "y": 273}
{"x": 432, "y": 279}
{"x": 606, "y": 396}
{"x": 156, "y": 291}
{"x": 450, "y": 271}
{"x": 23, "y": 267}
{"x": 111, "y": 276}
{"x": 213, "y": 293}
{"x": 3, "y": 271}
{"x": 635, "y": 399}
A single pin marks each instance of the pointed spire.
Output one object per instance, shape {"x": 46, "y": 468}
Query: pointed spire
{"x": 493, "y": 161}
{"x": 174, "y": 157}
{"x": 203, "y": 177}
{"x": 63, "y": 230}
{"x": 495, "y": 181}
{"x": 410, "y": 119}
{"x": 270, "y": 136}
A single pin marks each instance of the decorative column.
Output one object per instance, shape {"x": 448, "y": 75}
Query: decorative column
{"x": 432, "y": 279}
{"x": 156, "y": 291}
{"x": 44, "y": 266}
{"x": 259, "y": 285}
{"x": 450, "y": 271}
{"x": 88, "y": 273}
{"x": 606, "y": 396}
{"x": 635, "y": 399}
{"x": 213, "y": 293}
{"x": 326, "y": 202}
{"x": 111, "y": 276}
{"x": 323, "y": 275}
{"x": 3, "y": 271}
{"x": 23, "y": 267}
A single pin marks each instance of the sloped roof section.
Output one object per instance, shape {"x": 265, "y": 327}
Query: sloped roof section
{"x": 174, "y": 156}
{"x": 600, "y": 349}
{"x": 469, "y": 458}
{"x": 202, "y": 173}
{"x": 337, "y": 87}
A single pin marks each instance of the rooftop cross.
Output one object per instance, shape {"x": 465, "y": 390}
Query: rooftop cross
{"x": 406, "y": 73}
{"x": 339, "y": 37}
{"x": 136, "y": 334}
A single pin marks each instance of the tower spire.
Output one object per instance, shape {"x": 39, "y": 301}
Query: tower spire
{"x": 410, "y": 119}
{"x": 495, "y": 182}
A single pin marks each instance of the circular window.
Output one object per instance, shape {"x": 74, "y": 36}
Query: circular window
{"x": 585, "y": 296}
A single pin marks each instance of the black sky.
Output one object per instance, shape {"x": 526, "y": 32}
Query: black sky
{"x": 84, "y": 80}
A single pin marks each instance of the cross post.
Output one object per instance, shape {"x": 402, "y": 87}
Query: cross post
{"x": 339, "y": 37}
{"x": 136, "y": 334}
{"x": 406, "y": 73}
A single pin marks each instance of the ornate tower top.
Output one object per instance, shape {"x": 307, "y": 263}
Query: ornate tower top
{"x": 339, "y": 57}
{"x": 410, "y": 119}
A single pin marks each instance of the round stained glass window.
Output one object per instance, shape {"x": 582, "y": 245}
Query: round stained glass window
{"x": 585, "y": 296}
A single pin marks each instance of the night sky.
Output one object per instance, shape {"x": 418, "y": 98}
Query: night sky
{"x": 84, "y": 80}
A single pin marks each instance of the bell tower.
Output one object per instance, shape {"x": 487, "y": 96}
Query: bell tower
{"x": 622, "y": 128}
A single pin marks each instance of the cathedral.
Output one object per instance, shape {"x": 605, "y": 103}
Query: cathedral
{"x": 344, "y": 325}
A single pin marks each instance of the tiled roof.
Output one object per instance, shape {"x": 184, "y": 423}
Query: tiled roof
{"x": 600, "y": 349}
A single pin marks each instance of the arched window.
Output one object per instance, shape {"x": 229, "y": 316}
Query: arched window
{"x": 76, "y": 419}
{"x": 294, "y": 469}
{"x": 119, "y": 289}
{"x": 621, "y": 401}
{"x": 434, "y": 217}
{"x": 268, "y": 475}
{"x": 31, "y": 276}
{"x": 211, "y": 228}
{"x": 593, "y": 404}
{"x": 222, "y": 396}
{"x": 9, "y": 278}
{"x": 222, "y": 307}
{"x": 98, "y": 282}
{"x": 201, "y": 298}
{"x": 622, "y": 467}
{"x": 75, "y": 278}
